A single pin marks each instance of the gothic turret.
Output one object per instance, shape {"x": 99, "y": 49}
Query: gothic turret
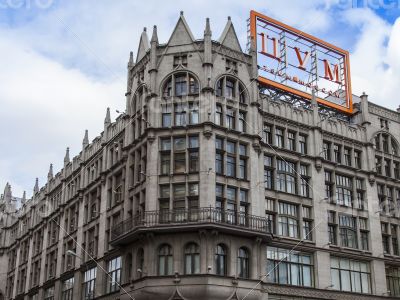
{"x": 85, "y": 141}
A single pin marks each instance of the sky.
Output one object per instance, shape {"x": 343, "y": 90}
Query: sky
{"x": 63, "y": 62}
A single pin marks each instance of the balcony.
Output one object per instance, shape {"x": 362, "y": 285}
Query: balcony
{"x": 190, "y": 220}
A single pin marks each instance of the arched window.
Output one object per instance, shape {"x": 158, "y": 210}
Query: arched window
{"x": 231, "y": 88}
{"x": 243, "y": 263}
{"x": 165, "y": 260}
{"x": 140, "y": 261}
{"x": 221, "y": 260}
{"x": 386, "y": 143}
{"x": 192, "y": 259}
{"x": 180, "y": 84}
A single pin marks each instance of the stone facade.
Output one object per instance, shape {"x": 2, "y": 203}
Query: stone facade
{"x": 210, "y": 187}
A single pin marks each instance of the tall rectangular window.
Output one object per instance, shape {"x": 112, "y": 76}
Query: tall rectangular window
{"x": 291, "y": 138}
{"x": 337, "y": 153}
{"x": 393, "y": 280}
{"x": 114, "y": 275}
{"x": 332, "y": 227}
{"x": 289, "y": 267}
{"x": 219, "y": 156}
{"x": 67, "y": 291}
{"x": 179, "y": 155}
{"x": 350, "y": 275}
{"x": 344, "y": 190}
{"x": 49, "y": 293}
{"x": 357, "y": 159}
{"x": 242, "y": 122}
{"x": 231, "y": 159}
{"x": 326, "y": 150}
{"x": 267, "y": 134}
{"x": 304, "y": 181}
{"x": 302, "y": 144}
{"x": 180, "y": 114}
{"x": 348, "y": 231}
{"x": 347, "y": 156}
{"x": 89, "y": 284}
{"x": 180, "y": 85}
{"x": 193, "y": 113}
{"x": 230, "y": 118}
{"x": 166, "y": 116}
{"x": 286, "y": 179}
{"x": 218, "y": 115}
{"x": 268, "y": 172}
{"x": 193, "y": 154}
{"x": 279, "y": 138}
{"x": 288, "y": 220}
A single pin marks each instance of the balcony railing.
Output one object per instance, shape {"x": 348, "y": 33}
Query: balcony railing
{"x": 209, "y": 215}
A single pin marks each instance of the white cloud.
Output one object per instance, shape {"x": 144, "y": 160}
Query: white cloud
{"x": 375, "y": 60}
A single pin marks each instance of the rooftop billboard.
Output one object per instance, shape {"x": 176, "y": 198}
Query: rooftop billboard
{"x": 296, "y": 62}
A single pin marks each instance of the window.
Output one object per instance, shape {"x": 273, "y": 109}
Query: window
{"x": 230, "y": 118}
{"x": 179, "y": 155}
{"x": 231, "y": 159}
{"x": 166, "y": 116}
{"x": 350, "y": 275}
{"x": 192, "y": 259}
{"x": 385, "y": 238}
{"x": 348, "y": 231}
{"x": 302, "y": 144}
{"x": 291, "y": 145}
{"x": 49, "y": 293}
{"x": 89, "y": 284}
{"x": 230, "y": 89}
{"x": 184, "y": 83}
{"x": 218, "y": 115}
{"x": 393, "y": 280}
{"x": 180, "y": 85}
{"x": 67, "y": 289}
{"x": 357, "y": 159}
{"x": 242, "y": 161}
{"x": 332, "y": 227}
{"x": 344, "y": 190}
{"x": 268, "y": 172}
{"x": 180, "y": 114}
{"x": 307, "y": 224}
{"x": 304, "y": 181}
{"x": 395, "y": 243}
{"x": 243, "y": 263}
{"x": 289, "y": 267}
{"x": 114, "y": 275}
{"x": 193, "y": 154}
{"x": 360, "y": 194}
{"x": 326, "y": 150}
{"x": 364, "y": 233}
{"x": 337, "y": 153}
{"x": 242, "y": 122}
{"x": 193, "y": 85}
{"x": 286, "y": 179}
{"x": 193, "y": 113}
{"x": 165, "y": 260}
{"x": 231, "y": 204}
{"x": 221, "y": 260}
{"x": 279, "y": 138}
{"x": 288, "y": 220}
{"x": 267, "y": 134}
{"x": 347, "y": 156}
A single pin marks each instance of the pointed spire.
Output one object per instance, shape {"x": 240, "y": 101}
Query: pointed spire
{"x": 66, "y": 158}
{"x": 207, "y": 31}
{"x": 182, "y": 33}
{"x": 85, "y": 141}
{"x": 36, "y": 187}
{"x": 107, "y": 120}
{"x": 130, "y": 62}
{"x": 207, "y": 43}
{"x": 154, "y": 37}
{"x": 23, "y": 200}
{"x": 229, "y": 37}
{"x": 7, "y": 193}
{"x": 50, "y": 174}
{"x": 143, "y": 45}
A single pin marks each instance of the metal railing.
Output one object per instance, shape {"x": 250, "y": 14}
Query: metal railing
{"x": 206, "y": 215}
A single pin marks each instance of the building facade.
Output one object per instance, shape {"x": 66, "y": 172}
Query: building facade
{"x": 210, "y": 186}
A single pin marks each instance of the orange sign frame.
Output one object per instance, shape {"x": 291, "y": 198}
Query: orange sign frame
{"x": 348, "y": 109}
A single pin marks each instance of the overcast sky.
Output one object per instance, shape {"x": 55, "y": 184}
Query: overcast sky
{"x": 62, "y": 63}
